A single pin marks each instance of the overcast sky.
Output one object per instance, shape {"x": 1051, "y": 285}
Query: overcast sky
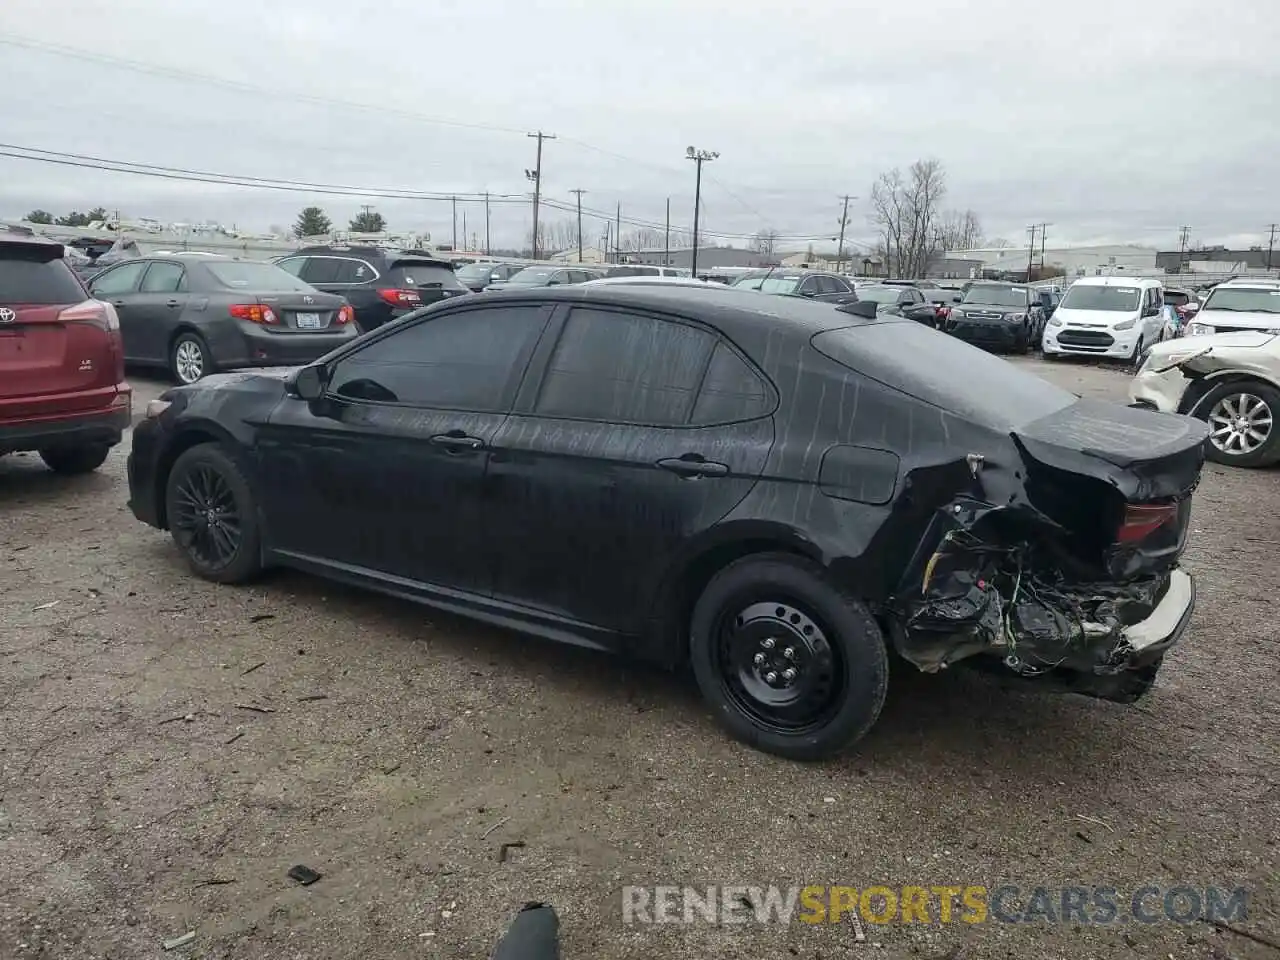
{"x": 1113, "y": 121}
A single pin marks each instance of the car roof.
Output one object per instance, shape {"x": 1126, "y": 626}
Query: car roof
{"x": 646, "y": 280}
{"x": 721, "y": 306}
{"x": 1261, "y": 283}
{"x": 1140, "y": 282}
{"x": 26, "y": 239}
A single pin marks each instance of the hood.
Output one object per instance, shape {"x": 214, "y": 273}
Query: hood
{"x": 1093, "y": 318}
{"x": 1238, "y": 318}
{"x": 1243, "y": 340}
{"x": 261, "y": 378}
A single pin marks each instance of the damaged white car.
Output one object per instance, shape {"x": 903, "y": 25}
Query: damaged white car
{"x": 1229, "y": 380}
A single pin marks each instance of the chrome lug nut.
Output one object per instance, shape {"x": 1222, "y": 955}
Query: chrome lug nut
{"x": 789, "y": 674}
{"x": 767, "y": 643}
{"x": 759, "y": 659}
{"x": 771, "y": 677}
{"x": 789, "y": 653}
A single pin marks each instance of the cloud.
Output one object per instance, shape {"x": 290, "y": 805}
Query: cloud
{"x": 1114, "y": 122}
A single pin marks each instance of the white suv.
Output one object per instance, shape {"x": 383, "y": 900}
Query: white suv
{"x": 1242, "y": 304}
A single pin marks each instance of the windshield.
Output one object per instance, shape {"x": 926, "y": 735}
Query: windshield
{"x": 770, "y": 283}
{"x": 1083, "y": 296}
{"x": 1244, "y": 300}
{"x": 475, "y": 271}
{"x": 944, "y": 371}
{"x": 879, "y": 294}
{"x": 997, "y": 296}
{"x": 532, "y": 276}
{"x": 258, "y": 277}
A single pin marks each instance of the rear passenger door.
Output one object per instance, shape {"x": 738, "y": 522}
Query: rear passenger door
{"x": 631, "y": 434}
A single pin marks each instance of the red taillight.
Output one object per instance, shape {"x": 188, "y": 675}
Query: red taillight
{"x": 345, "y": 314}
{"x": 253, "y": 312}
{"x": 401, "y": 298}
{"x": 103, "y": 315}
{"x": 1142, "y": 520}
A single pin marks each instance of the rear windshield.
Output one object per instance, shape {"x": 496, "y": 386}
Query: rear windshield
{"x": 1244, "y": 300}
{"x": 634, "y": 272}
{"x": 258, "y": 277}
{"x": 1083, "y": 296}
{"x": 30, "y": 277}
{"x": 944, "y": 371}
{"x": 997, "y": 296}
{"x": 1177, "y": 298}
{"x": 879, "y": 294}
{"x": 775, "y": 283}
{"x": 415, "y": 273}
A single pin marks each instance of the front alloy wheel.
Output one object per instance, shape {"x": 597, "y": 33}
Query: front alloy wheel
{"x": 211, "y": 515}
{"x": 1241, "y": 426}
{"x": 190, "y": 359}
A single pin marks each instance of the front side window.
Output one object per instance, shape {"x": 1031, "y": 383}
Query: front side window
{"x": 618, "y": 367}
{"x": 459, "y": 361}
{"x": 119, "y": 281}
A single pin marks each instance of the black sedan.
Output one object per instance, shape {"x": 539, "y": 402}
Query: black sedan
{"x": 197, "y": 313}
{"x": 902, "y": 300}
{"x": 773, "y": 492}
{"x": 823, "y": 287}
{"x": 999, "y": 315}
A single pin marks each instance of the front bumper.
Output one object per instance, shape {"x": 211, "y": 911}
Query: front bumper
{"x": 80, "y": 429}
{"x": 1159, "y": 391}
{"x": 1120, "y": 347}
{"x": 999, "y": 333}
{"x": 141, "y": 467}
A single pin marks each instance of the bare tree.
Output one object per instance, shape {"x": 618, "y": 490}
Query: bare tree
{"x": 959, "y": 230}
{"x": 765, "y": 241}
{"x": 907, "y": 212}
{"x": 999, "y": 243}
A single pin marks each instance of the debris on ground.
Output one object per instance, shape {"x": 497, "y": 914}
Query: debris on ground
{"x": 304, "y": 875}
{"x": 181, "y": 941}
{"x": 506, "y": 847}
{"x": 260, "y": 663}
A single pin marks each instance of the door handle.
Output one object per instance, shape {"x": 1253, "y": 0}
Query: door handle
{"x": 117, "y": 303}
{"x": 457, "y": 441}
{"x": 173, "y": 303}
{"x": 693, "y": 465}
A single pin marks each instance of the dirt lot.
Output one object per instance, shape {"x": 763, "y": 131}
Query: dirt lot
{"x": 146, "y": 791}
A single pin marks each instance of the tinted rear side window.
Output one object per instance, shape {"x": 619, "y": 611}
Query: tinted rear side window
{"x": 946, "y": 372}
{"x": 411, "y": 275}
{"x": 620, "y": 367}
{"x": 31, "y": 278}
{"x": 731, "y": 391}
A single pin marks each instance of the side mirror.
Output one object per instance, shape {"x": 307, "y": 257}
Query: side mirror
{"x": 553, "y": 283}
{"x": 957, "y": 299}
{"x": 309, "y": 383}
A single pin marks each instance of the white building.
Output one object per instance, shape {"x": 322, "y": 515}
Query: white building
{"x": 1084, "y": 261}
{"x": 589, "y": 255}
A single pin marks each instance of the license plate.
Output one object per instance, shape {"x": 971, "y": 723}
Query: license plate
{"x": 307, "y": 321}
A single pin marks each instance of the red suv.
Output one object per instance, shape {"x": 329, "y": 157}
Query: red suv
{"x": 62, "y": 387}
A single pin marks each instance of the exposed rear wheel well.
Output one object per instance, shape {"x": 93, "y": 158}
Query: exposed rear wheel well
{"x": 180, "y": 445}
{"x": 679, "y": 609}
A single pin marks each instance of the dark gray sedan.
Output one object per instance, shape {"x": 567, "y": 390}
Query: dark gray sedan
{"x": 197, "y": 313}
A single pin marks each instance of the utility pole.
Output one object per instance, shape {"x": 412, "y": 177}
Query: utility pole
{"x": 536, "y": 176}
{"x": 844, "y": 222}
{"x": 1271, "y": 245}
{"x": 455, "y": 224}
{"x": 486, "y": 224}
{"x": 464, "y": 226}
{"x": 1043, "y": 234}
{"x": 607, "y": 228}
{"x": 666, "y": 238}
{"x": 699, "y": 157}
{"x": 1183, "y": 238}
{"x": 579, "y": 194}
{"x": 617, "y": 237}
{"x": 1031, "y": 249}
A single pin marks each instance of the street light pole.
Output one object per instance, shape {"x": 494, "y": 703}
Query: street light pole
{"x": 698, "y": 157}
{"x": 844, "y": 222}
{"x": 579, "y": 194}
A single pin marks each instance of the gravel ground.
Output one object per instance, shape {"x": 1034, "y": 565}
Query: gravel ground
{"x": 171, "y": 748}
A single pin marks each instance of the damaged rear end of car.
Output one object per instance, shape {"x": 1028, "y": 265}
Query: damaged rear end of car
{"x": 1048, "y": 528}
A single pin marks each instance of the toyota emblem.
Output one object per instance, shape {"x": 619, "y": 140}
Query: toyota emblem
{"x": 308, "y": 299}
{"x": 7, "y": 315}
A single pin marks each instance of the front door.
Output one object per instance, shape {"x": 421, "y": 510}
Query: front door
{"x": 156, "y": 307}
{"x": 385, "y": 473}
{"x": 117, "y": 286}
{"x": 640, "y": 433}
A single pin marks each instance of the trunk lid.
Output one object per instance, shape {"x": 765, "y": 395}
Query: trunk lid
{"x": 303, "y": 312}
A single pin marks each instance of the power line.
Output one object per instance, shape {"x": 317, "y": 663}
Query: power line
{"x": 182, "y": 174}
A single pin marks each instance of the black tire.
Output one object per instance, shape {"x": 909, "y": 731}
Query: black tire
{"x": 1137, "y": 351}
{"x": 207, "y": 477}
{"x": 185, "y": 346}
{"x": 787, "y": 609}
{"x": 1022, "y": 345}
{"x": 1220, "y": 400}
{"x": 72, "y": 460}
